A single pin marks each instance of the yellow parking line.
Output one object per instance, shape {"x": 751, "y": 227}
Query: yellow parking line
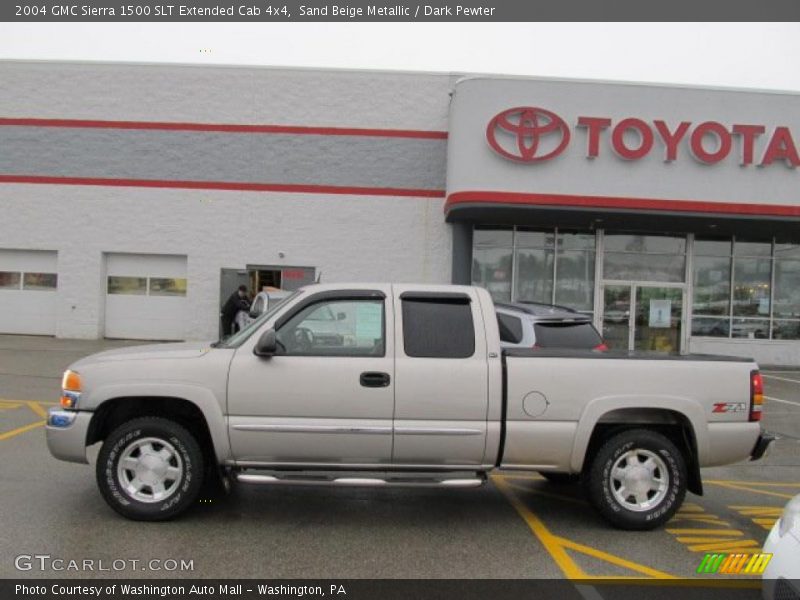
{"x": 746, "y": 488}
{"x": 557, "y": 545}
{"x": 18, "y": 430}
{"x": 703, "y": 530}
{"x": 37, "y": 408}
{"x": 565, "y": 563}
{"x": 15, "y": 401}
{"x": 755, "y": 483}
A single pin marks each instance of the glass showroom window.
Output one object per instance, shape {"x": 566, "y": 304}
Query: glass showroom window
{"x": 746, "y": 289}
{"x": 635, "y": 257}
{"x": 786, "y": 294}
{"x": 526, "y": 265}
{"x": 491, "y": 261}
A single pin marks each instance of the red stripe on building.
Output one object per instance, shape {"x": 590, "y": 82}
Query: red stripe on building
{"x": 224, "y": 185}
{"x": 226, "y": 128}
{"x": 611, "y": 202}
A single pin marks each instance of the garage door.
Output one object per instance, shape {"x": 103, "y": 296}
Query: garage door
{"x": 28, "y": 284}
{"x": 145, "y": 296}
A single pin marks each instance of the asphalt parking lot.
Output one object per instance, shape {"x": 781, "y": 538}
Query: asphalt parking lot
{"x": 518, "y": 526}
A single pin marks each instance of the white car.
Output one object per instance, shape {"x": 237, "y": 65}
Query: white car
{"x": 264, "y": 301}
{"x": 781, "y": 579}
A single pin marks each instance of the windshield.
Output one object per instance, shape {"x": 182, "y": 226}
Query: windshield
{"x": 237, "y": 338}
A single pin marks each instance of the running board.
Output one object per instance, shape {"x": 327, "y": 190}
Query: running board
{"x": 360, "y": 481}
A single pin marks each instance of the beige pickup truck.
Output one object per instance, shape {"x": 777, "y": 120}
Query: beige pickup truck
{"x": 413, "y": 389}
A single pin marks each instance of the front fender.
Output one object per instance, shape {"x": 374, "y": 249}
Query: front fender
{"x": 595, "y": 409}
{"x": 201, "y": 397}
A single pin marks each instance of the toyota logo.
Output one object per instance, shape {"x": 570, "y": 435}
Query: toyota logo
{"x": 527, "y": 134}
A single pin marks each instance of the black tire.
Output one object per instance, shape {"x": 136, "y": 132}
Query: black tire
{"x": 560, "y": 478}
{"x": 604, "y": 493}
{"x": 186, "y": 457}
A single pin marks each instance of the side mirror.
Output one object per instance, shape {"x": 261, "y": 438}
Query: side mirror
{"x": 267, "y": 344}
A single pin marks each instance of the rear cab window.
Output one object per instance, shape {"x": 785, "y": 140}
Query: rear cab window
{"x": 437, "y": 325}
{"x": 510, "y": 328}
{"x": 566, "y": 335}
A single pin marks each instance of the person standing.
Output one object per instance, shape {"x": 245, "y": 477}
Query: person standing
{"x": 237, "y": 301}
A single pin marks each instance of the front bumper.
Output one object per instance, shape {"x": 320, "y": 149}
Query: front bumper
{"x": 66, "y": 434}
{"x": 763, "y": 445}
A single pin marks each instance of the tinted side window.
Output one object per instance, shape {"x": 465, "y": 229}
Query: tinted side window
{"x": 566, "y": 335}
{"x": 510, "y": 328}
{"x": 434, "y": 328}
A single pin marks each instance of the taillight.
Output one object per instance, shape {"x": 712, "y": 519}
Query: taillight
{"x": 601, "y": 347}
{"x": 756, "y": 395}
{"x": 536, "y": 347}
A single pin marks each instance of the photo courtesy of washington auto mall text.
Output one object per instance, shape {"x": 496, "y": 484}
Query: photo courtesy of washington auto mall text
{"x": 458, "y": 301}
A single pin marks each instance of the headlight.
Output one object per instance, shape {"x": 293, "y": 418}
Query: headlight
{"x": 70, "y": 389}
{"x": 790, "y": 516}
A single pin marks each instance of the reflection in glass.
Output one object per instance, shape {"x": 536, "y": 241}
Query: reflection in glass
{"x": 136, "y": 286}
{"x": 492, "y": 238}
{"x": 712, "y": 285}
{"x": 534, "y": 276}
{"x": 711, "y": 326}
{"x": 644, "y": 267}
{"x": 752, "y": 248}
{"x": 787, "y": 288}
{"x": 9, "y": 280}
{"x": 659, "y": 244}
{"x": 167, "y": 286}
{"x": 491, "y": 269}
{"x": 750, "y": 328}
{"x": 712, "y": 247}
{"x": 575, "y": 279}
{"x": 786, "y": 330}
{"x": 751, "y": 286}
{"x": 535, "y": 239}
{"x": 40, "y": 281}
{"x": 616, "y": 315}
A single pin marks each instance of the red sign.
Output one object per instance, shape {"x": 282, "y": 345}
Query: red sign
{"x": 520, "y": 133}
{"x": 523, "y": 133}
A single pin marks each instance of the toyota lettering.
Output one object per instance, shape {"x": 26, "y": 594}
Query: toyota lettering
{"x": 533, "y": 134}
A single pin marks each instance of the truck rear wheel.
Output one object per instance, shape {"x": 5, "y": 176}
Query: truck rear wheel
{"x": 150, "y": 469}
{"x": 637, "y": 479}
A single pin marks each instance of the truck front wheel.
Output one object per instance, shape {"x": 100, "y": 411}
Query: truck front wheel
{"x": 150, "y": 469}
{"x": 637, "y": 479}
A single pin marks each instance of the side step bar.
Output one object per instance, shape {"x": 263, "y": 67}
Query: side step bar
{"x": 360, "y": 481}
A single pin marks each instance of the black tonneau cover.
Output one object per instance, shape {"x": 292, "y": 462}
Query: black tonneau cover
{"x": 616, "y": 354}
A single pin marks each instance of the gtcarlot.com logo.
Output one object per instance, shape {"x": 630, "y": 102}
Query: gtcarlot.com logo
{"x": 47, "y": 562}
{"x": 734, "y": 564}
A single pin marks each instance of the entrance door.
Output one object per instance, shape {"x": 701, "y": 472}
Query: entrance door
{"x": 643, "y": 316}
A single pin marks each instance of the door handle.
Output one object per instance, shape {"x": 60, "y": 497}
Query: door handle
{"x": 375, "y": 379}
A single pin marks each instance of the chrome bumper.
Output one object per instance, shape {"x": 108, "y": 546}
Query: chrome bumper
{"x": 66, "y": 434}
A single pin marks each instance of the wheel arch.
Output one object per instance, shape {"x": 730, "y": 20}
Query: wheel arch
{"x": 199, "y": 412}
{"x": 680, "y": 421}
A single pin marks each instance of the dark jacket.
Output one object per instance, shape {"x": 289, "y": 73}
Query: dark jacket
{"x": 233, "y": 305}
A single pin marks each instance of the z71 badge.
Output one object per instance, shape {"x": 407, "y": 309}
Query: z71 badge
{"x": 729, "y": 407}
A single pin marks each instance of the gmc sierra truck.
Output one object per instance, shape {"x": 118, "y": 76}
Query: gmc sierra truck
{"x": 413, "y": 389}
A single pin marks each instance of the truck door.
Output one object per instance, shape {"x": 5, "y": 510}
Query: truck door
{"x": 441, "y": 379}
{"x": 327, "y": 397}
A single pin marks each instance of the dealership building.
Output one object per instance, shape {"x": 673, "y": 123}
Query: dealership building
{"x": 136, "y": 198}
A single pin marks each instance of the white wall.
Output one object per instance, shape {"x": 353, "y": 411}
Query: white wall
{"x": 347, "y": 238}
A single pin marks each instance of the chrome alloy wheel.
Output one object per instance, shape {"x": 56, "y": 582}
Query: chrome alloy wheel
{"x": 150, "y": 470}
{"x": 639, "y": 480}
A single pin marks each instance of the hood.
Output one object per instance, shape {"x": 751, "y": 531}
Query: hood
{"x": 149, "y": 352}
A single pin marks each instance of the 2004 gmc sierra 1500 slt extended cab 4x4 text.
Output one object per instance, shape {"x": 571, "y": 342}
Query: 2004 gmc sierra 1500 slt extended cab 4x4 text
{"x": 401, "y": 385}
